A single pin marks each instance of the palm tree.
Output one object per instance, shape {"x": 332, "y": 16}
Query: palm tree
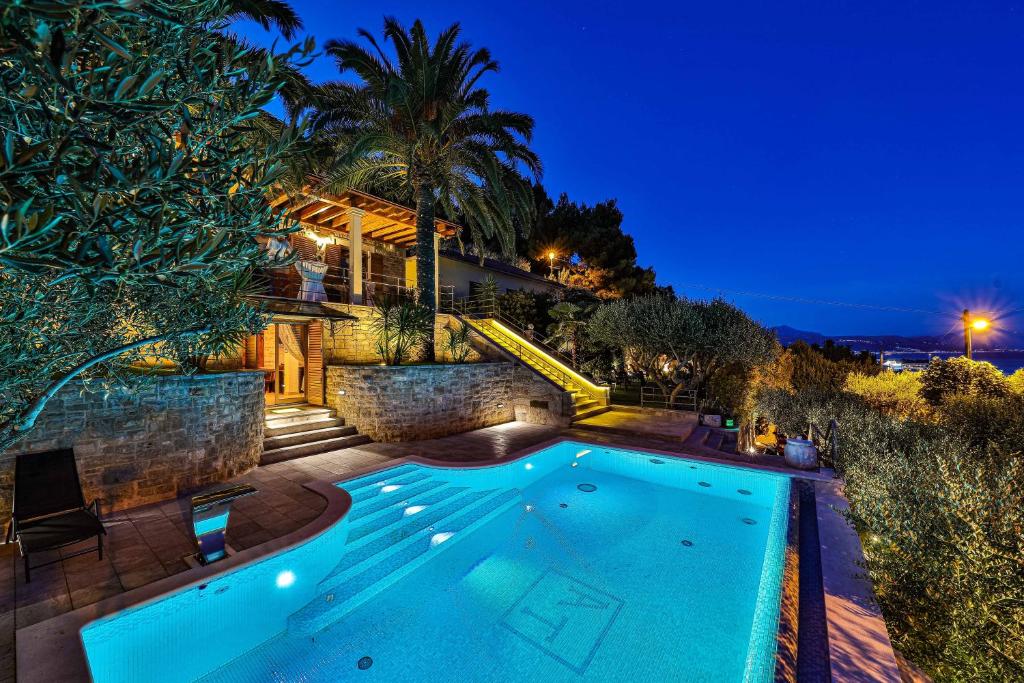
{"x": 419, "y": 124}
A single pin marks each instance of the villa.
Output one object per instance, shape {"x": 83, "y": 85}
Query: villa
{"x": 373, "y": 483}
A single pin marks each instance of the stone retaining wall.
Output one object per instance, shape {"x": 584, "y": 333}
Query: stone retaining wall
{"x": 352, "y": 342}
{"x": 168, "y": 437}
{"x": 409, "y": 402}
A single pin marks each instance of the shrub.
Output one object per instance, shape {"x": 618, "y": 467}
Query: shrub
{"x": 456, "y": 342}
{"x": 942, "y": 523}
{"x": 986, "y": 421}
{"x": 1016, "y": 382}
{"x": 401, "y": 330}
{"x": 897, "y": 394}
{"x": 953, "y": 376}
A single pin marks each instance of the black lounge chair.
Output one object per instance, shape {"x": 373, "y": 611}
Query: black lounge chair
{"x": 49, "y": 508}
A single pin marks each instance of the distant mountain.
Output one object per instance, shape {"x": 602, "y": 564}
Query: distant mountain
{"x": 891, "y": 342}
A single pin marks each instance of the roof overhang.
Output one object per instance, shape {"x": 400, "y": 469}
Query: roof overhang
{"x": 294, "y": 309}
{"x": 382, "y": 220}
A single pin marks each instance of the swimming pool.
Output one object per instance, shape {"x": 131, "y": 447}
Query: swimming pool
{"x": 576, "y": 562}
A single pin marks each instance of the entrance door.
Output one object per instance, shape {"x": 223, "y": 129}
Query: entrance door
{"x": 281, "y": 352}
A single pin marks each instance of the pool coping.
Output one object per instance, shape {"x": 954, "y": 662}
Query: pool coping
{"x": 36, "y": 644}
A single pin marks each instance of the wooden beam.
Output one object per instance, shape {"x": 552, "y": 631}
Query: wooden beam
{"x": 309, "y": 212}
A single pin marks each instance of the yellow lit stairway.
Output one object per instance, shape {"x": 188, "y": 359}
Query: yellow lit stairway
{"x": 589, "y": 398}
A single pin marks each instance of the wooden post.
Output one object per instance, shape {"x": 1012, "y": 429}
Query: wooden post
{"x": 355, "y": 254}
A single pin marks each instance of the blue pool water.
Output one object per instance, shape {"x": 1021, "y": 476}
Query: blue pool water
{"x": 578, "y": 562}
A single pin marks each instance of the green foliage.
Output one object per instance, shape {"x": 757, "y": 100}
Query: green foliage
{"x": 816, "y": 367}
{"x": 457, "y": 342}
{"x": 132, "y": 198}
{"x": 526, "y": 307}
{"x": 419, "y": 125}
{"x": 897, "y": 394}
{"x": 947, "y": 377}
{"x": 566, "y": 334}
{"x": 1015, "y": 382}
{"x": 401, "y": 330}
{"x": 940, "y": 515}
{"x": 680, "y": 343}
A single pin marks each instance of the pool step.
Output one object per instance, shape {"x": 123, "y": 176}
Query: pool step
{"x": 384, "y": 500}
{"x": 378, "y": 560}
{"x": 297, "y": 431}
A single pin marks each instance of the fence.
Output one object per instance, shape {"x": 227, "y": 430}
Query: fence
{"x": 655, "y": 397}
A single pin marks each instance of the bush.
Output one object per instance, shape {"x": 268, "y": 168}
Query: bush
{"x": 984, "y": 421}
{"x": 457, "y": 342}
{"x": 959, "y": 375}
{"x": 897, "y": 394}
{"x": 941, "y": 520}
{"x": 1016, "y": 382}
{"x": 401, "y": 330}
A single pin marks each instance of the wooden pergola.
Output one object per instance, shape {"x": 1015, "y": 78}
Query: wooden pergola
{"x": 377, "y": 219}
{"x": 354, "y": 215}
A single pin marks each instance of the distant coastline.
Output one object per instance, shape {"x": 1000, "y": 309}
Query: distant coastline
{"x": 1008, "y": 361}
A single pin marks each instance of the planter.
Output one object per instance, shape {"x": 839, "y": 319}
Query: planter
{"x": 801, "y": 454}
{"x": 711, "y": 420}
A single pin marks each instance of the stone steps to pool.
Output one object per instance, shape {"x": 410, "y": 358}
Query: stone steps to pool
{"x": 712, "y": 438}
{"x": 397, "y": 523}
{"x": 297, "y": 431}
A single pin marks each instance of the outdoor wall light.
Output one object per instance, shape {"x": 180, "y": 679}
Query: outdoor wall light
{"x": 501, "y": 405}
{"x": 341, "y": 392}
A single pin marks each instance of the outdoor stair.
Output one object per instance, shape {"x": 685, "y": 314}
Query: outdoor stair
{"x": 297, "y": 431}
{"x": 387, "y": 542}
{"x": 587, "y": 402}
{"x": 711, "y": 438}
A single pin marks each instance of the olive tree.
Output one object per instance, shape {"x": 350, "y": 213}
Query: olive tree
{"x": 132, "y": 197}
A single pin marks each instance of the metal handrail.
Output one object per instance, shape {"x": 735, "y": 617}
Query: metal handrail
{"x": 562, "y": 378}
{"x": 829, "y": 436}
{"x": 484, "y": 306}
{"x": 686, "y": 399}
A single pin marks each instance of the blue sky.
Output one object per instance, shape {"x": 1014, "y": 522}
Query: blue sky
{"x": 864, "y": 152}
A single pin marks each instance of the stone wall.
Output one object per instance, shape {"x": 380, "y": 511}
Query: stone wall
{"x": 409, "y": 402}
{"x": 352, "y": 342}
{"x": 170, "y": 436}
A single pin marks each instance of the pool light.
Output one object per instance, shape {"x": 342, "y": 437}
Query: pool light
{"x": 582, "y": 453}
{"x": 285, "y": 579}
{"x": 529, "y": 465}
{"x": 389, "y": 488}
{"x": 438, "y": 539}
{"x": 412, "y": 510}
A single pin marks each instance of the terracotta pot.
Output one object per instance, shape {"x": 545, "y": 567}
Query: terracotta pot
{"x": 801, "y": 454}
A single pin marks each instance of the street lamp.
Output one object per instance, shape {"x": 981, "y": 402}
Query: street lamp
{"x": 551, "y": 264}
{"x": 970, "y": 324}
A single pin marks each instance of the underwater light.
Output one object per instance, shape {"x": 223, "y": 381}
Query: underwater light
{"x": 438, "y": 539}
{"x": 582, "y": 453}
{"x": 285, "y": 578}
{"x": 529, "y": 466}
{"x": 412, "y": 510}
{"x": 389, "y": 488}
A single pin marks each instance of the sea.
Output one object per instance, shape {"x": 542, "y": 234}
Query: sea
{"x": 1007, "y": 361}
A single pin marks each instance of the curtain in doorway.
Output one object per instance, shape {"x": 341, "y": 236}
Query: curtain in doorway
{"x": 291, "y": 340}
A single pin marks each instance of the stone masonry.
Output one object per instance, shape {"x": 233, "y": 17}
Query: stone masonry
{"x": 352, "y": 342}
{"x": 411, "y": 402}
{"x": 168, "y": 437}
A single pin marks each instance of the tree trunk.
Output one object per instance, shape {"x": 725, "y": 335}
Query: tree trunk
{"x": 425, "y": 258}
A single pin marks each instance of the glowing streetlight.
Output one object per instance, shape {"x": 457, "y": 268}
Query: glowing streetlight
{"x": 551, "y": 264}
{"x": 970, "y": 324}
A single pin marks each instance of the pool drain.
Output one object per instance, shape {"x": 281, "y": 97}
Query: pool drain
{"x": 687, "y": 542}
{"x": 587, "y": 488}
{"x": 743, "y": 492}
{"x": 656, "y": 461}
{"x": 563, "y": 505}
{"x": 364, "y": 663}
{"x": 704, "y": 484}
{"x": 749, "y": 522}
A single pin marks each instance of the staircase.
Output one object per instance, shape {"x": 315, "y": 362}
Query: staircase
{"x": 711, "y": 438}
{"x": 400, "y": 519}
{"x": 588, "y": 398}
{"x": 301, "y": 430}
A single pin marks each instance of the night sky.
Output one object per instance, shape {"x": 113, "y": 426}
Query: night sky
{"x": 858, "y": 152}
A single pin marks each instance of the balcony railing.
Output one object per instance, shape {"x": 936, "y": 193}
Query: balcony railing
{"x": 285, "y": 283}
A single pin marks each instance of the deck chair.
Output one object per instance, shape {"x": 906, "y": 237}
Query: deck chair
{"x": 49, "y": 509}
